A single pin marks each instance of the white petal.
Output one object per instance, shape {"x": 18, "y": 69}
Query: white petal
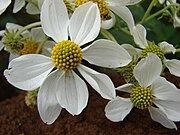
{"x": 37, "y": 34}
{"x": 170, "y": 108}
{"x": 173, "y": 66}
{"x": 48, "y": 106}
{"x": 32, "y": 9}
{"x": 126, "y": 88}
{"x": 158, "y": 116}
{"x": 85, "y": 23}
{"x": 28, "y": 72}
{"x": 13, "y": 56}
{"x": 117, "y": 109}
{"x": 13, "y": 26}
{"x": 72, "y": 93}
{"x": 47, "y": 47}
{"x": 106, "y": 53}
{"x": 2, "y": 32}
{"x": 134, "y": 52}
{"x": 100, "y": 82}
{"x": 107, "y": 24}
{"x": 40, "y": 2}
{"x": 167, "y": 48}
{"x": 4, "y": 5}
{"x": 125, "y": 14}
{"x": 139, "y": 34}
{"x": 123, "y": 2}
{"x": 18, "y": 5}
{"x": 148, "y": 69}
{"x": 1, "y": 45}
{"x": 54, "y": 19}
{"x": 164, "y": 90}
{"x": 16, "y": 27}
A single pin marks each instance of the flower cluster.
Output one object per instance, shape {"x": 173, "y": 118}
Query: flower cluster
{"x": 51, "y": 59}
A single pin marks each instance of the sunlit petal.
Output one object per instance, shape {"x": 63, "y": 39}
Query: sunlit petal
{"x": 4, "y": 5}
{"x": 125, "y": 14}
{"x": 72, "y": 93}
{"x": 106, "y": 53}
{"x": 170, "y": 108}
{"x": 107, "y": 24}
{"x": 18, "y": 5}
{"x": 167, "y": 48}
{"x": 158, "y": 116}
{"x": 55, "y": 20}
{"x": 117, "y": 109}
{"x": 28, "y": 72}
{"x": 48, "y": 106}
{"x": 164, "y": 90}
{"x": 126, "y": 88}
{"x": 100, "y": 82}
{"x": 148, "y": 69}
{"x": 174, "y": 66}
{"x": 139, "y": 34}
{"x": 85, "y": 23}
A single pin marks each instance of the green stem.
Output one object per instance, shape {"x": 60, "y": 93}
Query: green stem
{"x": 27, "y": 27}
{"x": 170, "y": 1}
{"x": 159, "y": 12}
{"x": 107, "y": 35}
{"x": 148, "y": 11}
{"x": 177, "y": 50}
{"x": 41, "y": 45}
{"x": 125, "y": 31}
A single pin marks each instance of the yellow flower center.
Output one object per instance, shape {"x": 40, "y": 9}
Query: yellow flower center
{"x": 103, "y": 8}
{"x": 66, "y": 55}
{"x": 68, "y": 6}
{"x": 141, "y": 97}
{"x": 153, "y": 49}
{"x": 29, "y": 47}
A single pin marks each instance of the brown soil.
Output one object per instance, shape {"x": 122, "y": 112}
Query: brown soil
{"x": 16, "y": 118}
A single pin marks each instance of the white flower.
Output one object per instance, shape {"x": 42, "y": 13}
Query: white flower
{"x": 63, "y": 88}
{"x": 107, "y": 7}
{"x": 33, "y": 7}
{"x": 155, "y": 93}
{"x": 34, "y": 37}
{"x": 3, "y": 5}
{"x": 139, "y": 34}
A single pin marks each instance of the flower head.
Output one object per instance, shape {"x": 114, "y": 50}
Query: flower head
{"x": 139, "y": 34}
{"x": 154, "y": 93}
{"x": 25, "y": 43}
{"x": 63, "y": 87}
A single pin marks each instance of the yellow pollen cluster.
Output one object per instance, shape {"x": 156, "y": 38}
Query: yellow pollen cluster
{"x": 29, "y": 47}
{"x": 153, "y": 49}
{"x": 66, "y": 55}
{"x": 68, "y": 6}
{"x": 103, "y": 8}
{"x": 141, "y": 97}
